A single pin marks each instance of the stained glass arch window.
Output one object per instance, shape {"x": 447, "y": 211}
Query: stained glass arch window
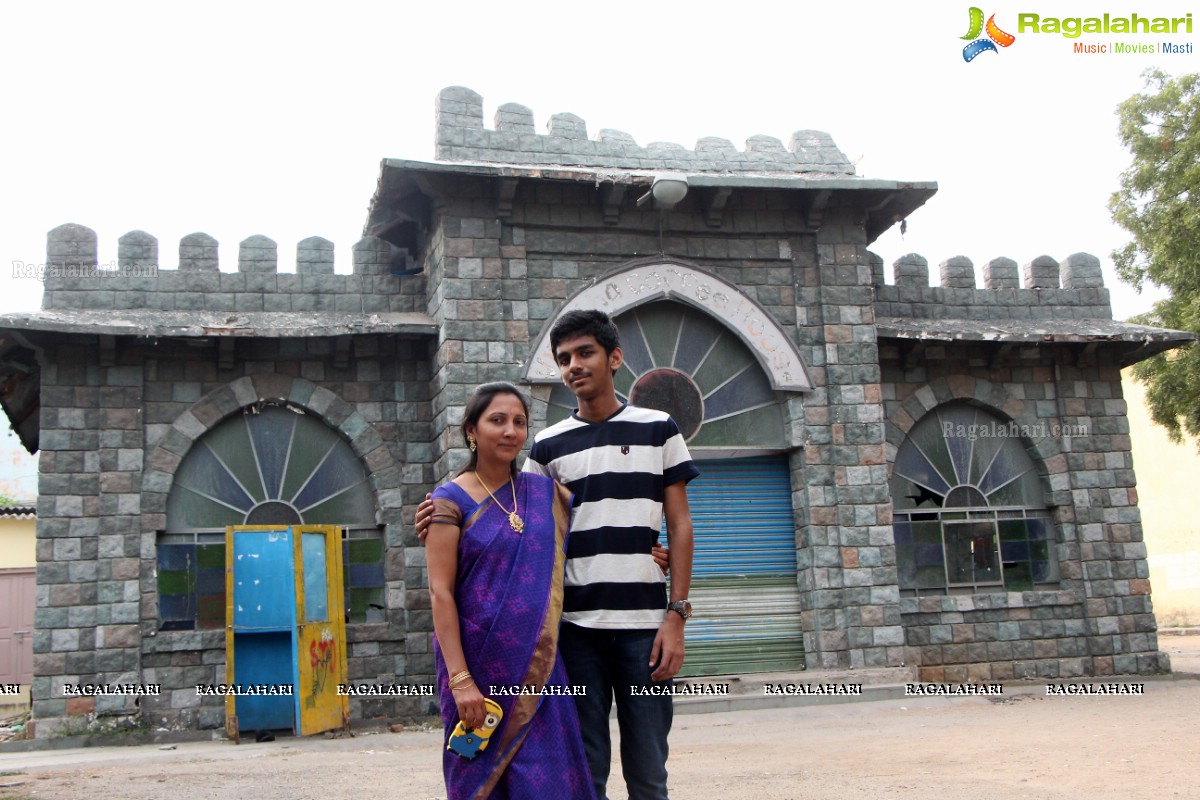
{"x": 270, "y": 465}
{"x": 969, "y": 511}
{"x": 679, "y": 360}
{"x": 276, "y": 466}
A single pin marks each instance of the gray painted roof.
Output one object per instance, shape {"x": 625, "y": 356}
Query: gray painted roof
{"x": 280, "y": 324}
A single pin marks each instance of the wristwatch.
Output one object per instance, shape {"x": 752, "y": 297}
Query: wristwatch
{"x": 681, "y": 607}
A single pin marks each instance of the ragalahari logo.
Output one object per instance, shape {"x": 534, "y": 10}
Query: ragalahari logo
{"x": 995, "y": 36}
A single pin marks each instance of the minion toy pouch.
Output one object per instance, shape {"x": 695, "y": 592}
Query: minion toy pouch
{"x": 470, "y": 742}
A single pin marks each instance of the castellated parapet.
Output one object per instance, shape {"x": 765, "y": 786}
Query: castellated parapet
{"x": 1043, "y": 289}
{"x": 74, "y": 278}
{"x": 462, "y": 138}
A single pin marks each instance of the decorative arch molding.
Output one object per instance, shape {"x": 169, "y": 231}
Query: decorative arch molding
{"x": 1032, "y": 431}
{"x": 383, "y": 473}
{"x": 645, "y": 281}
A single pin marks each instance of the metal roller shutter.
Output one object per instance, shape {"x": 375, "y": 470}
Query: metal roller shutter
{"x": 744, "y": 588}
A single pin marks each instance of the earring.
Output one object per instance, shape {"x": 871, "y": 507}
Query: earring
{"x": 471, "y": 443}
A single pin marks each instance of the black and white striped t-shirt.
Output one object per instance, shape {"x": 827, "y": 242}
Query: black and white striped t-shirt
{"x": 617, "y": 471}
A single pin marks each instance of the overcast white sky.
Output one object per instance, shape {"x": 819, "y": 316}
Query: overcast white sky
{"x": 271, "y": 118}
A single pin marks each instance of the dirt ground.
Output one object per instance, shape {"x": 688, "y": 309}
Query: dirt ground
{"x": 1026, "y": 745}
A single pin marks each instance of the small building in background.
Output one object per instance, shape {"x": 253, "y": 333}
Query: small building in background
{"x": 18, "y": 568}
{"x": 1166, "y": 473}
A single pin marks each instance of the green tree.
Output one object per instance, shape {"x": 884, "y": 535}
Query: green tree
{"x": 1159, "y": 204}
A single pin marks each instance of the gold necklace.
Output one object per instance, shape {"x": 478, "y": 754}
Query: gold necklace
{"x": 514, "y": 519}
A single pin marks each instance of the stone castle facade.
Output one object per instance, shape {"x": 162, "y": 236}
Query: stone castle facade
{"x": 953, "y": 462}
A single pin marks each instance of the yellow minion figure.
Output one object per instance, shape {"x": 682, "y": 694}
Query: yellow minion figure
{"x": 470, "y": 742}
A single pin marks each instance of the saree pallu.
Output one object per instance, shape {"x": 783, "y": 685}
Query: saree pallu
{"x": 509, "y": 591}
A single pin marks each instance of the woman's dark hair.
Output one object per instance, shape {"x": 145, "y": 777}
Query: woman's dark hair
{"x": 477, "y": 403}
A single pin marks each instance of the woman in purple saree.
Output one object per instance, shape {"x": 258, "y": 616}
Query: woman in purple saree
{"x": 496, "y": 552}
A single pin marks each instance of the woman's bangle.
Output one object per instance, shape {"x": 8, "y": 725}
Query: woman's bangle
{"x": 463, "y": 686}
{"x": 457, "y": 679}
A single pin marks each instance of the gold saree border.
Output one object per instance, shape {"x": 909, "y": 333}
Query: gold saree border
{"x": 542, "y": 663}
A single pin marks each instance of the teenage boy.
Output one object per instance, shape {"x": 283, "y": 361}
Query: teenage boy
{"x": 621, "y": 638}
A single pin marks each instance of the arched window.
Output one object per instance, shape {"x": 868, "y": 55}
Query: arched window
{"x": 686, "y": 363}
{"x": 680, "y": 360}
{"x": 969, "y": 513}
{"x": 269, "y": 465}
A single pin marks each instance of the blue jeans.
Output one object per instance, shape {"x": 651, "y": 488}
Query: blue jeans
{"x": 608, "y": 663}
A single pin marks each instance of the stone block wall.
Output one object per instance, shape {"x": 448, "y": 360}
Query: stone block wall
{"x": 461, "y": 137}
{"x": 75, "y": 279}
{"x": 111, "y": 439}
{"x": 1072, "y": 289}
{"x": 378, "y": 400}
{"x": 988, "y": 638}
{"x": 495, "y": 284}
{"x": 1099, "y": 619}
{"x": 848, "y": 568}
{"x": 87, "y": 621}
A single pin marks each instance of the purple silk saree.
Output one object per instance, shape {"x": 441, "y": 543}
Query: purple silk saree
{"x": 509, "y": 594}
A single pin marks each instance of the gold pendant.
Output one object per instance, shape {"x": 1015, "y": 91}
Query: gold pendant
{"x": 515, "y": 522}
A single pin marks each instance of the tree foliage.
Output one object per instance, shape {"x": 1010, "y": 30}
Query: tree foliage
{"x": 1159, "y": 204}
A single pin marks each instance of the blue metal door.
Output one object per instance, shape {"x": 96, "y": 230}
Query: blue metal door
{"x": 260, "y": 642}
{"x": 744, "y": 583}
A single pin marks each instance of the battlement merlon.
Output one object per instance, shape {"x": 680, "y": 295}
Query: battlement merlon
{"x": 134, "y": 296}
{"x": 462, "y": 138}
{"x": 620, "y": 170}
{"x": 1080, "y": 273}
{"x": 1076, "y": 313}
{"x": 72, "y": 250}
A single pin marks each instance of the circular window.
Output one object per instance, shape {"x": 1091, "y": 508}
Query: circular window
{"x": 673, "y": 392}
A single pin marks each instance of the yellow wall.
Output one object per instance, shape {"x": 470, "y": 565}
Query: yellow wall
{"x": 1167, "y": 485}
{"x": 18, "y": 543}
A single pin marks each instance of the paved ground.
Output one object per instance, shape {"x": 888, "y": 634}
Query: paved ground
{"x": 1024, "y": 745}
